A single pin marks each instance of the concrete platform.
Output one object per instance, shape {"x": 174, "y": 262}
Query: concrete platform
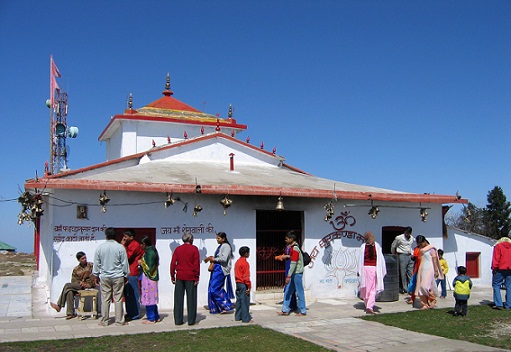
{"x": 25, "y": 316}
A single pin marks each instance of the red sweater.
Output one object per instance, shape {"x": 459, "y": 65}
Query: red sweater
{"x": 185, "y": 263}
{"x": 134, "y": 252}
{"x": 242, "y": 272}
{"x": 501, "y": 256}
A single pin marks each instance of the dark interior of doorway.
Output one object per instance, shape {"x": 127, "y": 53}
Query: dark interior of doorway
{"x": 388, "y": 233}
{"x": 271, "y": 227}
{"x": 140, "y": 232}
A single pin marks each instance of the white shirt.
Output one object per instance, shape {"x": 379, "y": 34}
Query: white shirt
{"x": 401, "y": 245}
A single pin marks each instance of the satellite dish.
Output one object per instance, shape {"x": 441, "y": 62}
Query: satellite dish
{"x": 48, "y": 103}
{"x": 72, "y": 132}
{"x": 60, "y": 130}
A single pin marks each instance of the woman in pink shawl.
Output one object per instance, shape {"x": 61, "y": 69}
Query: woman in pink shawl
{"x": 371, "y": 271}
{"x": 429, "y": 271}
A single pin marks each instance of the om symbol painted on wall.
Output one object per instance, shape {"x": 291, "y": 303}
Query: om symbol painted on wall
{"x": 339, "y": 263}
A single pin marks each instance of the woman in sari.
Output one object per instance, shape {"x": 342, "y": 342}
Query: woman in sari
{"x": 149, "y": 264}
{"x": 219, "y": 299}
{"x": 429, "y": 270}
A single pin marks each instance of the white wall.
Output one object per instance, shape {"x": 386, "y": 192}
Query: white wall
{"x": 458, "y": 243}
{"x": 332, "y": 274}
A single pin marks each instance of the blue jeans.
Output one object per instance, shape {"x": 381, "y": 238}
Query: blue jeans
{"x": 295, "y": 285}
{"x": 499, "y": 277}
{"x": 132, "y": 298}
{"x": 443, "y": 286}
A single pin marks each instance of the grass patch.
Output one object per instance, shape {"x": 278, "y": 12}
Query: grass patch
{"x": 482, "y": 325}
{"x": 243, "y": 338}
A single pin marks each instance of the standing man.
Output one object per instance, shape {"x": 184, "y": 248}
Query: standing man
{"x": 111, "y": 269}
{"x": 294, "y": 278}
{"x": 402, "y": 246}
{"x": 132, "y": 291}
{"x": 501, "y": 269}
{"x": 184, "y": 273}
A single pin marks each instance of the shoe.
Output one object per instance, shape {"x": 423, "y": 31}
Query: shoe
{"x": 56, "y": 307}
{"x": 497, "y": 307}
{"x": 122, "y": 324}
{"x": 70, "y": 316}
{"x": 282, "y": 313}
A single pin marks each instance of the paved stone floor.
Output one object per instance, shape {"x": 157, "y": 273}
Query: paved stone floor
{"x": 25, "y": 315}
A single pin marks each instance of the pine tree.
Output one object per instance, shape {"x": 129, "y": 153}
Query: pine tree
{"x": 497, "y": 214}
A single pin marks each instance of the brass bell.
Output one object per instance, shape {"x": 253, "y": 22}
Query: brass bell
{"x": 280, "y": 204}
{"x": 170, "y": 201}
{"x": 197, "y": 209}
{"x": 226, "y": 203}
{"x": 103, "y": 200}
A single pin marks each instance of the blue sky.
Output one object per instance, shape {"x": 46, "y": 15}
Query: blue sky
{"x": 406, "y": 95}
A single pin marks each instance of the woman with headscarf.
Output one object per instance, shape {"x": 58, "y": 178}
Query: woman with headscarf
{"x": 371, "y": 271}
{"x": 219, "y": 299}
{"x": 429, "y": 270}
{"x": 149, "y": 264}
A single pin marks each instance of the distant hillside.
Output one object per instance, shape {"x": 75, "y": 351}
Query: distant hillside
{"x": 17, "y": 264}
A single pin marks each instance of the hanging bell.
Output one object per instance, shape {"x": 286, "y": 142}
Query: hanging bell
{"x": 103, "y": 200}
{"x": 197, "y": 209}
{"x": 226, "y": 203}
{"x": 170, "y": 201}
{"x": 280, "y": 204}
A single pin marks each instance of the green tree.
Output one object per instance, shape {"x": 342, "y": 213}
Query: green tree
{"x": 497, "y": 214}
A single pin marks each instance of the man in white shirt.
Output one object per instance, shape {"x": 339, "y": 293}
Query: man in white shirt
{"x": 403, "y": 248}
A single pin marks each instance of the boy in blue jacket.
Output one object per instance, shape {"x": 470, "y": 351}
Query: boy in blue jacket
{"x": 462, "y": 285}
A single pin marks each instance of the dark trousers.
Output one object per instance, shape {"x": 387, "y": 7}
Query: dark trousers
{"x": 67, "y": 297}
{"x": 180, "y": 288}
{"x": 132, "y": 297}
{"x": 460, "y": 308}
{"x": 242, "y": 303}
{"x": 405, "y": 270}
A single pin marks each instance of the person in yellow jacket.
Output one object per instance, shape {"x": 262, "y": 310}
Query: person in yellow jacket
{"x": 445, "y": 269}
{"x": 462, "y": 286}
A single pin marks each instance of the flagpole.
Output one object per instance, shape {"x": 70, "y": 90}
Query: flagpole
{"x": 50, "y": 164}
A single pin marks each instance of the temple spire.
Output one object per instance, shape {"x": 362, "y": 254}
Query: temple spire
{"x": 167, "y": 92}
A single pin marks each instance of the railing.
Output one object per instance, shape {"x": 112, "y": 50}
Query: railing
{"x": 269, "y": 272}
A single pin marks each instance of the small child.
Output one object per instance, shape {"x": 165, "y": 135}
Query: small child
{"x": 243, "y": 285}
{"x": 445, "y": 269}
{"x": 462, "y": 285}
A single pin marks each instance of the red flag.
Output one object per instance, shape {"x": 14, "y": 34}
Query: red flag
{"x": 54, "y": 72}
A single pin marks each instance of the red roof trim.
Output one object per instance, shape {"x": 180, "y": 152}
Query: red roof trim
{"x": 172, "y": 145}
{"x": 221, "y": 122}
{"x": 238, "y": 190}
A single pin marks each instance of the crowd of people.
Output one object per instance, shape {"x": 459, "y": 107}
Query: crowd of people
{"x": 129, "y": 270}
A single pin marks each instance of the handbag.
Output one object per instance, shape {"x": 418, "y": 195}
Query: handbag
{"x": 211, "y": 266}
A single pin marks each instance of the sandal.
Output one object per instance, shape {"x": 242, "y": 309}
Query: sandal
{"x": 282, "y": 313}
{"x": 55, "y": 306}
{"x": 70, "y": 317}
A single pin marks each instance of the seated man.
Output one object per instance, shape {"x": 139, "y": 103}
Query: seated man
{"x": 80, "y": 280}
